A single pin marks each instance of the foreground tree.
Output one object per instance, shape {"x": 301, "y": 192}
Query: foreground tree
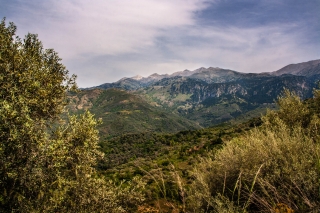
{"x": 47, "y": 166}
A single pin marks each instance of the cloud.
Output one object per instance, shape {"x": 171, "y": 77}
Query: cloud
{"x": 104, "y": 40}
{"x": 260, "y": 49}
{"x": 106, "y": 27}
{"x": 252, "y": 49}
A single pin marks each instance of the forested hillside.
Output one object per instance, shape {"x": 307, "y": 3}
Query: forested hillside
{"x": 122, "y": 112}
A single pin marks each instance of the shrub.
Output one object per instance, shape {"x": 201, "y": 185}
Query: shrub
{"x": 277, "y": 163}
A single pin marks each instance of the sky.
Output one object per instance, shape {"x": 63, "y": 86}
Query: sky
{"x": 102, "y": 41}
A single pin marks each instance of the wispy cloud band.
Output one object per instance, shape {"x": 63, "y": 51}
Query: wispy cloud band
{"x": 105, "y": 40}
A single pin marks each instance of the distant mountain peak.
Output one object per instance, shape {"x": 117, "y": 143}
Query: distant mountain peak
{"x": 154, "y": 75}
{"x": 215, "y": 68}
{"x": 124, "y": 78}
{"x": 137, "y": 77}
{"x": 200, "y": 69}
{"x": 213, "y": 75}
{"x": 304, "y": 69}
{"x": 182, "y": 73}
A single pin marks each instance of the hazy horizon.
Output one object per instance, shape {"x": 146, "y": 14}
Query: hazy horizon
{"x": 104, "y": 41}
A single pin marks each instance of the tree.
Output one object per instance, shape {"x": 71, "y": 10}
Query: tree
{"x": 46, "y": 164}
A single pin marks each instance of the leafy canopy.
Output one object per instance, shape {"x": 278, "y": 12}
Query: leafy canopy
{"x": 47, "y": 165}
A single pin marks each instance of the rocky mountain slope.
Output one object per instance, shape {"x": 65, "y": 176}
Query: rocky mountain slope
{"x": 213, "y": 103}
{"x": 206, "y": 96}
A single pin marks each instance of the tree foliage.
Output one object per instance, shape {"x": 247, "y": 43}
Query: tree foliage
{"x": 47, "y": 165}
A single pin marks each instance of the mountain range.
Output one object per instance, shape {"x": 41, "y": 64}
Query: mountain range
{"x": 192, "y": 99}
{"x": 214, "y": 75}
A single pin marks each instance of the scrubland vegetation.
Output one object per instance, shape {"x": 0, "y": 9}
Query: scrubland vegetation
{"x": 271, "y": 167}
{"x": 50, "y": 164}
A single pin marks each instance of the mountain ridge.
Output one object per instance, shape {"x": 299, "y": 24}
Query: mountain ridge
{"x": 213, "y": 75}
{"x": 302, "y": 68}
{"x": 204, "y": 97}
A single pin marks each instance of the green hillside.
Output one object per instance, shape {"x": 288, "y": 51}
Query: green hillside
{"x": 123, "y": 112}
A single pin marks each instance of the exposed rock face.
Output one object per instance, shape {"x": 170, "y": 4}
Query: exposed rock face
{"x": 83, "y": 101}
{"x": 212, "y": 103}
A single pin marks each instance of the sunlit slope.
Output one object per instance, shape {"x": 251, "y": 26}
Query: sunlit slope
{"x": 123, "y": 112}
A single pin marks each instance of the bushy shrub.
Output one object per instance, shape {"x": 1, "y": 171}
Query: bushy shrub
{"x": 274, "y": 165}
